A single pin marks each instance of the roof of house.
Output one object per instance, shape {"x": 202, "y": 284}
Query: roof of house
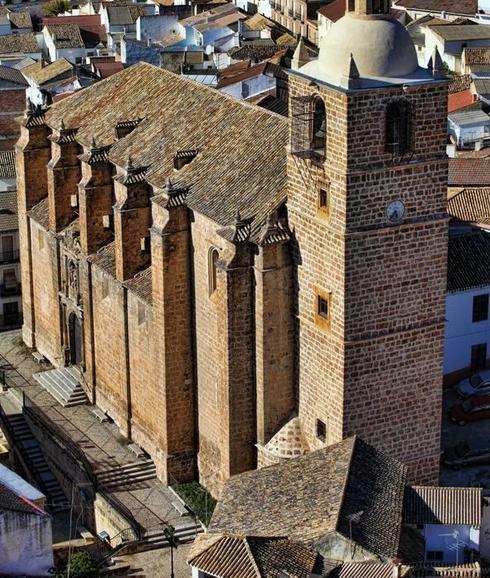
{"x": 241, "y": 162}
{"x": 274, "y": 104}
{"x": 311, "y": 497}
{"x": 7, "y": 164}
{"x": 470, "y": 114}
{"x": 459, "y": 83}
{"x": 10, "y": 501}
{"x": 469, "y": 172}
{"x": 334, "y": 10}
{"x": 141, "y": 285}
{"x": 75, "y": 36}
{"x": 477, "y": 55}
{"x": 217, "y": 17}
{"x": 443, "y": 505}
{"x": 8, "y": 211}
{"x": 471, "y": 206}
{"x": 255, "y": 50}
{"x": 462, "y": 32}
{"x": 459, "y": 100}
{"x": 427, "y": 570}
{"x": 251, "y": 557}
{"x": 468, "y": 261}
{"x": 41, "y": 72}
{"x": 368, "y": 569}
{"x": 482, "y": 85}
{"x": 451, "y": 6}
{"x": 258, "y": 22}
{"x": 17, "y": 484}
{"x": 83, "y": 20}
{"x": 12, "y": 75}
{"x": 124, "y": 15}
{"x": 20, "y": 20}
{"x": 10, "y": 43}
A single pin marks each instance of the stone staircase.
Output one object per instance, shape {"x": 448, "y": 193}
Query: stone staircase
{"x": 129, "y": 474}
{"x": 63, "y": 384}
{"x": 157, "y": 539}
{"x": 38, "y": 467}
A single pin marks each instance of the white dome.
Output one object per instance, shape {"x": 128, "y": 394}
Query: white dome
{"x": 381, "y": 48}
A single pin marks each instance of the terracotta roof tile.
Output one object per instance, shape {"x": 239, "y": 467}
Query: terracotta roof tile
{"x": 477, "y": 55}
{"x": 8, "y": 211}
{"x": 350, "y": 477}
{"x": 41, "y": 72}
{"x": 460, "y": 83}
{"x": 7, "y": 164}
{"x": 10, "y": 501}
{"x": 141, "y": 285}
{"x": 471, "y": 206}
{"x": 334, "y": 10}
{"x": 19, "y": 43}
{"x": 242, "y": 157}
{"x": 468, "y": 261}
{"x": 459, "y": 100}
{"x": 451, "y": 6}
{"x": 40, "y": 214}
{"x": 469, "y": 172}
{"x": 20, "y": 20}
{"x": 105, "y": 258}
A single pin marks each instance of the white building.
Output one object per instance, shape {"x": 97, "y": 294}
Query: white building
{"x": 10, "y": 287}
{"x": 469, "y": 125}
{"x": 467, "y": 342}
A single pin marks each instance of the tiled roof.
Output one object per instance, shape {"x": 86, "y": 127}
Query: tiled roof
{"x": 427, "y": 570}
{"x": 334, "y": 10}
{"x": 7, "y": 164}
{"x": 471, "y": 206}
{"x": 20, "y": 20}
{"x": 470, "y": 114}
{"x": 124, "y": 15}
{"x": 40, "y": 214}
{"x": 66, "y": 35}
{"x": 468, "y": 261}
{"x": 460, "y": 83}
{"x": 19, "y": 43}
{"x": 469, "y": 172}
{"x": 482, "y": 85}
{"x": 227, "y": 78}
{"x": 248, "y": 557}
{"x": 258, "y": 22}
{"x": 288, "y": 442}
{"x": 255, "y": 50}
{"x": 42, "y": 73}
{"x": 477, "y": 55}
{"x": 368, "y": 569}
{"x": 459, "y": 100}
{"x": 141, "y": 285}
{"x": 462, "y": 32}
{"x": 241, "y": 160}
{"x": 442, "y": 505}
{"x": 105, "y": 258}
{"x": 12, "y": 75}
{"x": 8, "y": 211}
{"x": 451, "y": 6}
{"x": 274, "y": 104}
{"x": 310, "y": 497}
{"x": 10, "y": 501}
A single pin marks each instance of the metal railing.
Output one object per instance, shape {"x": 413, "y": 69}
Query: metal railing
{"x": 9, "y": 256}
{"x": 136, "y": 528}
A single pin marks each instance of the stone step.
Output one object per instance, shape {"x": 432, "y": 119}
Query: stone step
{"x": 133, "y": 468}
{"x": 63, "y": 384}
{"x": 157, "y": 539}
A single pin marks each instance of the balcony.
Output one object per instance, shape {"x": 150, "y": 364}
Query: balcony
{"x": 9, "y": 289}
{"x": 290, "y": 13}
{"x": 10, "y": 321}
{"x": 9, "y": 256}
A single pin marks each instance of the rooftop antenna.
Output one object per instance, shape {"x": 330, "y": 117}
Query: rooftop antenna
{"x": 354, "y": 519}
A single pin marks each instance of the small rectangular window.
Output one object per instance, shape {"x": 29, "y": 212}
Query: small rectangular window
{"x": 323, "y": 309}
{"x": 479, "y": 356}
{"x": 435, "y": 555}
{"x": 480, "y": 307}
{"x": 321, "y": 430}
{"x": 323, "y": 199}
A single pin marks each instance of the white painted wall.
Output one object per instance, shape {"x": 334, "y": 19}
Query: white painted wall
{"x": 254, "y": 86}
{"x": 155, "y": 28}
{"x": 461, "y": 332}
{"x": 442, "y": 538}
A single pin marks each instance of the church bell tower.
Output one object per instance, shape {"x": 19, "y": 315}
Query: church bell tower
{"x": 367, "y": 174}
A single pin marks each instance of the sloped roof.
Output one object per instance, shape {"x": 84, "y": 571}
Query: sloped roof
{"x": 42, "y": 73}
{"x": 368, "y": 569}
{"x": 451, "y": 6}
{"x": 19, "y": 43}
{"x": 460, "y": 82}
{"x": 471, "y": 206}
{"x": 10, "y": 501}
{"x": 469, "y": 172}
{"x": 124, "y": 15}
{"x": 473, "y": 113}
{"x": 310, "y": 497}
{"x": 258, "y": 22}
{"x": 12, "y": 75}
{"x": 7, "y": 164}
{"x": 255, "y": 50}
{"x": 462, "y": 32}
{"x": 242, "y": 158}
{"x": 468, "y": 261}
{"x": 249, "y": 557}
{"x": 333, "y": 10}
{"x": 459, "y": 100}
{"x": 66, "y": 35}
{"x": 477, "y": 55}
{"x": 8, "y": 211}
{"x": 20, "y": 20}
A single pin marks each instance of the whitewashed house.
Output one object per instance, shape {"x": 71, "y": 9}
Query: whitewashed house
{"x": 469, "y": 125}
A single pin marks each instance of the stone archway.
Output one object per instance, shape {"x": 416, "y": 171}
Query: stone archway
{"x": 75, "y": 338}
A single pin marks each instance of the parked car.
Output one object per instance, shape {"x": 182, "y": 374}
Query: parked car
{"x": 467, "y": 453}
{"x": 474, "y": 408}
{"x": 476, "y": 384}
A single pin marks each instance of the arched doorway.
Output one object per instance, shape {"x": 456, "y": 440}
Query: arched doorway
{"x": 75, "y": 334}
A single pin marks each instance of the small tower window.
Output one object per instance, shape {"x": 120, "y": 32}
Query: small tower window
{"x": 399, "y": 127}
{"x": 324, "y": 198}
{"x": 323, "y": 309}
{"x": 319, "y": 128}
{"x": 212, "y": 269}
{"x": 321, "y": 430}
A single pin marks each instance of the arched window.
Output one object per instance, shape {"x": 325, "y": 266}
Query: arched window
{"x": 399, "y": 125}
{"x": 319, "y": 128}
{"x": 212, "y": 271}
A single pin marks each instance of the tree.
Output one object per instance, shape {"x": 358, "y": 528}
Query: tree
{"x": 56, "y": 7}
{"x": 81, "y": 566}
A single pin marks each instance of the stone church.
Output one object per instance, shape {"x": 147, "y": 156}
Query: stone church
{"x": 237, "y": 288}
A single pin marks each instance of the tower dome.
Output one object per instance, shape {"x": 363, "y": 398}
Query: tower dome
{"x": 379, "y": 45}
